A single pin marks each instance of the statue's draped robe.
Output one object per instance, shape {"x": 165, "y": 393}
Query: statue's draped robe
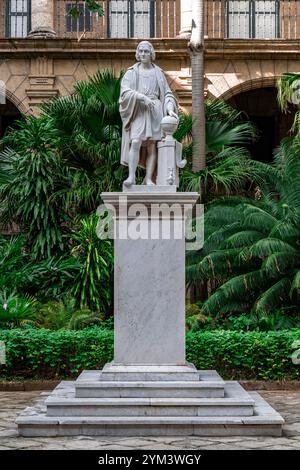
{"x": 140, "y": 122}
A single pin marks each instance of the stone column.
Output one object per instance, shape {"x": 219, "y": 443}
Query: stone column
{"x": 42, "y": 19}
{"x": 186, "y": 18}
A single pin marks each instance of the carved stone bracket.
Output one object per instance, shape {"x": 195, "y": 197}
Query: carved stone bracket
{"x": 41, "y": 81}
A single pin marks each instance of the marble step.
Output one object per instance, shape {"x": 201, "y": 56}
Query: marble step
{"x": 115, "y": 372}
{"x": 208, "y": 385}
{"x": 33, "y": 421}
{"x": 62, "y": 402}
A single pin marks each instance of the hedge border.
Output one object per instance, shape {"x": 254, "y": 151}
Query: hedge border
{"x": 39, "y": 353}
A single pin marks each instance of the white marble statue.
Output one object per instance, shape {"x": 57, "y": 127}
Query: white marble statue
{"x": 145, "y": 99}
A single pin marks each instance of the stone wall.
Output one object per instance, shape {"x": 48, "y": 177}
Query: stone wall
{"x": 36, "y": 70}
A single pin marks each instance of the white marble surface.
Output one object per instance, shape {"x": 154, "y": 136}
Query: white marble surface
{"x": 166, "y": 165}
{"x": 149, "y": 301}
{"x": 143, "y": 188}
{"x": 149, "y": 284}
{"x": 205, "y": 417}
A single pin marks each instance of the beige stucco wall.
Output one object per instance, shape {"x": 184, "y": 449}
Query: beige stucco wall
{"x": 32, "y": 76}
{"x": 14, "y": 73}
{"x": 230, "y": 77}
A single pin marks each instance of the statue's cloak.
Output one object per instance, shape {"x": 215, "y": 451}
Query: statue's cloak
{"x": 129, "y": 106}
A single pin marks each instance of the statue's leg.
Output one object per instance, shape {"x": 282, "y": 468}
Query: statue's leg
{"x": 134, "y": 155}
{"x": 151, "y": 163}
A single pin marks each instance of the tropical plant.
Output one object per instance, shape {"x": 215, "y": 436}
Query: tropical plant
{"x": 228, "y": 166}
{"x": 49, "y": 278}
{"x": 12, "y": 259}
{"x": 92, "y": 285}
{"x": 194, "y": 318}
{"x": 63, "y": 314}
{"x": 54, "y": 314}
{"x": 85, "y": 318}
{"x": 30, "y": 173}
{"x": 288, "y": 87}
{"x": 90, "y": 128}
{"x": 251, "y": 255}
{"x": 14, "y": 309}
{"x": 44, "y": 279}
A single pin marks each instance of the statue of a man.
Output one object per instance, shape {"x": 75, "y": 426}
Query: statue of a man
{"x": 145, "y": 99}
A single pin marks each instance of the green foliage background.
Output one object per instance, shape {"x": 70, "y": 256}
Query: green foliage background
{"x": 64, "y": 354}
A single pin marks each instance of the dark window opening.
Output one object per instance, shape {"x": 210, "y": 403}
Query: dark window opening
{"x": 253, "y": 19}
{"x": 18, "y": 18}
{"x": 131, "y": 19}
{"x": 80, "y": 24}
{"x": 261, "y": 108}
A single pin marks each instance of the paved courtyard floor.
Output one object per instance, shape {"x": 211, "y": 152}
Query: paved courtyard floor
{"x": 285, "y": 402}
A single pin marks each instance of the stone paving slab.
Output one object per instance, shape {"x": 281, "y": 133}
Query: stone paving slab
{"x": 286, "y": 402}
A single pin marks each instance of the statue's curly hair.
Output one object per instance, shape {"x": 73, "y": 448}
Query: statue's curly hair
{"x": 137, "y": 55}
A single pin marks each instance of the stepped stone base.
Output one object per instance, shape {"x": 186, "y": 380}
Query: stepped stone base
{"x": 145, "y": 401}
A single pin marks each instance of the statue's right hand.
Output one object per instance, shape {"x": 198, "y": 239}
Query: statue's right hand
{"x": 148, "y": 103}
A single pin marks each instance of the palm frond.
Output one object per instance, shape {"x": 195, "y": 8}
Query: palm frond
{"x": 273, "y": 296}
{"x": 223, "y": 134}
{"x": 236, "y": 288}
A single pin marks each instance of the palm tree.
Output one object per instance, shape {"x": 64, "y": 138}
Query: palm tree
{"x": 30, "y": 172}
{"x": 54, "y": 167}
{"x": 90, "y": 129}
{"x": 251, "y": 255}
{"x": 289, "y": 93}
{"x": 196, "y": 47}
{"x": 229, "y": 165}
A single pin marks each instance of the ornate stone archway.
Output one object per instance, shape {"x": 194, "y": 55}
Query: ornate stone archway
{"x": 250, "y": 85}
{"x": 10, "y": 110}
{"x": 229, "y": 77}
{"x": 16, "y": 101}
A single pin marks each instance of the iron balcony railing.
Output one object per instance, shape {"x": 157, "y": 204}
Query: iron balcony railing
{"x": 224, "y": 19}
{"x": 122, "y": 19}
{"x": 252, "y": 19}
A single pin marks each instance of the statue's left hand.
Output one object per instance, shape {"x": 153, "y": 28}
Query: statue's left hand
{"x": 172, "y": 114}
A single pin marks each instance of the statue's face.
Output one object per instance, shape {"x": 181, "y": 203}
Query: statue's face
{"x": 145, "y": 54}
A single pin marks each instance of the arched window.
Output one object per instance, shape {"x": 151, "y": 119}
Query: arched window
{"x": 131, "y": 19}
{"x": 18, "y": 18}
{"x": 257, "y": 19}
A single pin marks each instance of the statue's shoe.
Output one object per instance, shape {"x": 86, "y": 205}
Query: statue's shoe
{"x": 129, "y": 182}
{"x": 148, "y": 183}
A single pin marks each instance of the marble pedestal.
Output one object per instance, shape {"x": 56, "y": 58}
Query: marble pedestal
{"x": 149, "y": 281}
{"x": 149, "y": 388}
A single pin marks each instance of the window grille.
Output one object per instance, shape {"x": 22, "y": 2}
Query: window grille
{"x": 256, "y": 19}
{"x": 18, "y": 18}
{"x": 82, "y": 23}
{"x": 131, "y": 19}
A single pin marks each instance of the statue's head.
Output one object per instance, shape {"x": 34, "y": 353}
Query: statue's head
{"x": 147, "y": 47}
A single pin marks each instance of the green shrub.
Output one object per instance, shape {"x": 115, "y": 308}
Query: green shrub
{"x": 245, "y": 355}
{"x": 52, "y": 354}
{"x": 48, "y": 354}
{"x": 194, "y": 318}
